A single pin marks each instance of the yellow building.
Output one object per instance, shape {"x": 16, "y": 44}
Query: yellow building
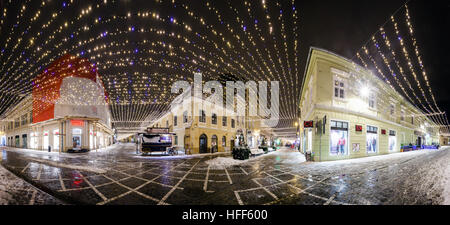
{"x": 348, "y": 112}
{"x": 212, "y": 129}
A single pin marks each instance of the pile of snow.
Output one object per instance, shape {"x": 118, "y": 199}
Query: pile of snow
{"x": 223, "y": 162}
{"x": 447, "y": 186}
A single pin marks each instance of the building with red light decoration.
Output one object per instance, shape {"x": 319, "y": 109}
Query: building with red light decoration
{"x": 67, "y": 111}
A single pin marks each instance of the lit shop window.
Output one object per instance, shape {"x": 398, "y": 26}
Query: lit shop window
{"x": 339, "y": 89}
{"x": 372, "y": 139}
{"x": 392, "y": 140}
{"x": 339, "y": 138}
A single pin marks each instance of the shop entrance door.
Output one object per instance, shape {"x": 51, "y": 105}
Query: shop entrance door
{"x": 419, "y": 141}
{"x": 24, "y": 141}
{"x": 76, "y": 140}
{"x": 46, "y": 143}
{"x": 203, "y": 147}
{"x": 55, "y": 140}
{"x": 309, "y": 140}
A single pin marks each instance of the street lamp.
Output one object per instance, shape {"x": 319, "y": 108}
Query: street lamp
{"x": 365, "y": 91}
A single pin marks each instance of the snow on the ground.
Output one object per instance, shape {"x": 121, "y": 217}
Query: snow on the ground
{"x": 223, "y": 162}
{"x": 15, "y": 191}
{"x": 286, "y": 157}
{"x": 446, "y": 183}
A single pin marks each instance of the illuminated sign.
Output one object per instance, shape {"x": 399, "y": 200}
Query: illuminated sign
{"x": 77, "y": 123}
{"x": 358, "y": 128}
{"x": 308, "y": 124}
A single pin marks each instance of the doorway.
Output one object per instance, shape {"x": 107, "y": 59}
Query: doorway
{"x": 46, "y": 143}
{"x": 187, "y": 149}
{"x": 203, "y": 147}
{"x": 24, "y": 141}
{"x": 56, "y": 140}
{"x": 309, "y": 140}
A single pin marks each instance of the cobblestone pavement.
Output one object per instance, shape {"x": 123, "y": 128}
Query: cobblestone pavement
{"x": 117, "y": 176}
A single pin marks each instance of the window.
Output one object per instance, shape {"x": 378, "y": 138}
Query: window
{"x": 185, "y": 117}
{"x": 31, "y": 117}
{"x": 371, "y": 139}
{"x": 339, "y": 89}
{"x": 175, "y": 121}
{"x": 402, "y": 116}
{"x": 339, "y": 138}
{"x": 372, "y": 100}
{"x": 167, "y": 123}
{"x": 202, "y": 117}
{"x": 224, "y": 121}
{"x": 176, "y": 140}
{"x": 16, "y": 122}
{"x": 24, "y": 119}
{"x": 392, "y": 109}
{"x": 412, "y": 120}
{"x": 232, "y": 123}
{"x": 224, "y": 141}
{"x": 214, "y": 118}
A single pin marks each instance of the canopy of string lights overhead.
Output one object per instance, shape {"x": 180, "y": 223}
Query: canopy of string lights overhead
{"x": 141, "y": 48}
{"x": 393, "y": 54}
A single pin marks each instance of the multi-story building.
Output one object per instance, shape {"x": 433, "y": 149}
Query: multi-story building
{"x": 348, "y": 112}
{"x": 201, "y": 126}
{"x": 67, "y": 110}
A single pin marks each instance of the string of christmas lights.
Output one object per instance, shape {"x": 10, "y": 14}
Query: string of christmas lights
{"x": 140, "y": 49}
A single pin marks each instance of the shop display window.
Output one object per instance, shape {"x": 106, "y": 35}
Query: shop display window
{"x": 372, "y": 139}
{"x": 339, "y": 138}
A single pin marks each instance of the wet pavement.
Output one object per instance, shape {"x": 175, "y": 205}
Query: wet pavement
{"x": 15, "y": 191}
{"x": 117, "y": 176}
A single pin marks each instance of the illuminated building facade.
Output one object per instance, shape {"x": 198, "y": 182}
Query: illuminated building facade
{"x": 67, "y": 110}
{"x": 348, "y": 112}
{"x": 212, "y": 129}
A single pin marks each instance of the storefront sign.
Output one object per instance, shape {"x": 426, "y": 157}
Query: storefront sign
{"x": 308, "y": 124}
{"x": 358, "y": 128}
{"x": 383, "y": 132}
{"x": 418, "y": 133}
{"x": 77, "y": 123}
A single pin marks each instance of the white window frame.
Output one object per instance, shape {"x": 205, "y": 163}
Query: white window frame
{"x": 339, "y": 88}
